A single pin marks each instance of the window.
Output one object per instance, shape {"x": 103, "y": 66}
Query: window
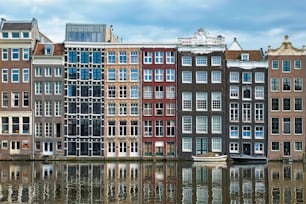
{"x": 234, "y": 92}
{"x": 147, "y": 74}
{"x": 38, "y": 108}
{"x": 111, "y": 109}
{"x": 159, "y": 109}
{"x": 5, "y": 75}
{"x": 187, "y": 77}
{"x": 48, "y": 72}
{"x": 297, "y": 64}
{"x": 159, "y": 92}
{"x": 148, "y": 128}
{"x": 58, "y": 108}
{"x": 286, "y": 104}
{"x": 274, "y": 84}
{"x": 246, "y": 112}
{"x": 111, "y": 75}
{"x": 159, "y": 128}
{"x": 275, "y": 104}
{"x": 259, "y": 132}
{"x": 15, "y": 127}
{"x": 96, "y": 91}
{"x": 122, "y": 128}
{"x": 186, "y": 124}
{"x": 15, "y": 35}
{"x": 259, "y": 77}
{"x": 4, "y": 34}
{"x": 84, "y": 74}
{"x": 216, "y": 61}
{"x": 187, "y": 101}
{"x": 134, "y": 109}
{"x": 216, "y": 144}
{"x": 259, "y": 148}
{"x": 4, "y": 99}
{"x": 134, "y": 57}
{"x": 111, "y": 57}
{"x": 134, "y": 93}
{"x": 4, "y": 54}
{"x": 147, "y": 92}
{"x": 170, "y": 128}
{"x": 111, "y": 92}
{"x": 25, "y": 124}
{"x": 275, "y": 64}
{"x": 234, "y": 112}
{"x": 186, "y": 144}
{"x": 201, "y": 101}
{"x": 286, "y": 125}
{"x": 286, "y": 84}
{"x": 72, "y": 73}
{"x": 216, "y": 101}
{"x": 15, "y": 99}
{"x": 298, "y": 126}
{"x": 134, "y": 76}
{"x": 170, "y": 57}
{"x": 147, "y": 57}
{"x": 159, "y": 75}
{"x": 72, "y": 90}
{"x": 298, "y": 84}
{"x": 38, "y": 88}
{"x": 201, "y": 77}
{"x": 259, "y": 112}
{"x": 247, "y": 77}
{"x": 216, "y": 77}
{"x": 15, "y": 76}
{"x": 48, "y": 108}
{"x": 201, "y": 124}
{"x": 201, "y": 60}
{"x": 122, "y": 57}
{"x": 134, "y": 128}
{"x": 286, "y": 66}
{"x": 259, "y": 92}
{"x": 58, "y": 88}
{"x": 298, "y": 146}
{"x": 122, "y": 109}
{"x": 234, "y": 77}
{"x": 170, "y": 75}
{"x": 111, "y": 128}
{"x": 275, "y": 146}
{"x": 159, "y": 57}
{"x": 216, "y": 124}
{"x": 26, "y": 99}
{"x": 247, "y": 95}
{"x": 26, "y": 77}
{"x": 170, "y": 109}
{"x": 84, "y": 57}
{"x": 5, "y": 124}
{"x": 15, "y": 54}
{"x": 186, "y": 60}
{"x": 275, "y": 125}
{"x": 96, "y": 57}
{"x": 26, "y": 54}
{"x": 298, "y": 104}
{"x": 84, "y": 91}
{"x": 48, "y": 129}
{"x": 147, "y": 109}
{"x": 246, "y": 132}
{"x": 234, "y": 131}
{"x": 170, "y": 92}
{"x": 234, "y": 147}
{"x": 122, "y": 91}
{"x": 245, "y": 56}
{"x": 48, "y": 88}
{"x": 122, "y": 74}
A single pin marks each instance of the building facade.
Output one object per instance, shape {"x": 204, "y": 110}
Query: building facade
{"x": 246, "y": 92}
{"x": 48, "y": 100}
{"x": 200, "y": 98}
{"x": 159, "y": 91}
{"x": 122, "y": 101}
{"x": 286, "y": 127}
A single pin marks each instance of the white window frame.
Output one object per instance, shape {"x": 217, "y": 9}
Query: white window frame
{"x": 216, "y": 61}
{"x": 201, "y": 101}
{"x": 187, "y": 101}
{"x": 201, "y": 77}
{"x": 216, "y": 144}
{"x": 216, "y": 125}
{"x": 216, "y": 77}
{"x": 234, "y": 77}
{"x": 201, "y": 60}
{"x": 147, "y": 57}
{"x": 186, "y": 144}
{"x": 186, "y": 60}
{"x": 186, "y": 77}
{"x": 201, "y": 124}
{"x": 187, "y": 124}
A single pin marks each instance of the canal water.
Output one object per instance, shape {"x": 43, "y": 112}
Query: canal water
{"x": 151, "y": 182}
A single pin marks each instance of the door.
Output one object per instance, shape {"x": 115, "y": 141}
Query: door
{"x": 246, "y": 149}
{"x": 287, "y": 149}
{"x": 202, "y": 145}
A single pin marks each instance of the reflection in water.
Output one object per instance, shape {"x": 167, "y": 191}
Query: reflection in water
{"x": 148, "y": 182}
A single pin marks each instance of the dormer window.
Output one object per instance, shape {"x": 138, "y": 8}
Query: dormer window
{"x": 48, "y": 49}
{"x": 15, "y": 35}
{"x": 245, "y": 57}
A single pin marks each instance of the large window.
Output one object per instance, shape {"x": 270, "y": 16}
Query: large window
{"x": 234, "y": 77}
{"x": 4, "y": 54}
{"x": 171, "y": 128}
{"x": 147, "y": 92}
{"x": 216, "y": 77}
{"x": 147, "y": 109}
{"x": 275, "y": 64}
{"x": 234, "y": 92}
{"x": 286, "y": 66}
{"x": 134, "y": 57}
{"x": 122, "y": 92}
{"x": 234, "y": 147}
{"x": 286, "y": 125}
{"x": 170, "y": 92}
{"x": 96, "y": 57}
{"x": 159, "y": 109}
{"x": 159, "y": 57}
{"x": 25, "y": 76}
{"x": 216, "y": 101}
{"x": 259, "y": 92}
{"x": 5, "y": 99}
{"x": 159, "y": 128}
{"x": 201, "y": 101}
{"x": 286, "y": 104}
{"x": 148, "y": 129}
{"x": 259, "y": 77}
{"x": 298, "y": 146}
{"x": 216, "y": 61}
{"x": 259, "y": 132}
{"x": 246, "y": 132}
{"x": 170, "y": 75}
{"x": 286, "y": 84}
{"x": 134, "y": 76}
{"x": 122, "y": 74}
{"x": 298, "y": 84}
{"x": 187, "y": 77}
{"x": 275, "y": 125}
{"x": 246, "y": 93}
{"x": 111, "y": 57}
{"x": 234, "y": 131}
{"x": 234, "y": 112}
{"x": 187, "y": 101}
{"x": 85, "y": 57}
{"x": 72, "y": 73}
{"x": 5, "y": 75}
{"x": 201, "y": 124}
{"x": 170, "y": 109}
{"x": 259, "y": 148}
{"x": 216, "y": 124}
{"x": 216, "y": 144}
{"x": 170, "y": 57}
{"x": 298, "y": 126}
{"x": 186, "y": 60}
{"x": 15, "y": 54}
{"x": 111, "y": 109}
{"x": 186, "y": 144}
{"x": 274, "y": 84}
{"x": 111, "y": 92}
{"x": 134, "y": 92}
{"x": 15, "y": 99}
{"x": 122, "y": 57}
{"x": 159, "y": 92}
{"x": 147, "y": 75}
{"x": 84, "y": 74}
{"x": 72, "y": 56}
{"x": 201, "y": 77}
{"x": 275, "y": 104}
{"x": 247, "y": 77}
{"x": 147, "y": 57}
{"x": 259, "y": 112}
{"x": 201, "y": 60}
{"x": 246, "y": 112}
{"x": 298, "y": 104}
{"x": 159, "y": 75}
{"x": 15, "y": 75}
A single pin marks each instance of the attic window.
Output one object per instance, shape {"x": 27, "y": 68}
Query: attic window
{"x": 48, "y": 49}
{"x": 245, "y": 57}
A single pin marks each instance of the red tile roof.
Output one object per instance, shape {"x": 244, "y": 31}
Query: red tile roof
{"x": 58, "y": 49}
{"x": 254, "y": 55}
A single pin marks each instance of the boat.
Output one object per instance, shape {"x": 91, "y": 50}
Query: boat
{"x": 216, "y": 165}
{"x": 249, "y": 159}
{"x": 209, "y": 158}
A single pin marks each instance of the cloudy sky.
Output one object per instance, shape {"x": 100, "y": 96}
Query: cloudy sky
{"x": 256, "y": 24}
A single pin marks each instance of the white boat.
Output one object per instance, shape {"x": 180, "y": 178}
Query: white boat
{"x": 209, "y": 158}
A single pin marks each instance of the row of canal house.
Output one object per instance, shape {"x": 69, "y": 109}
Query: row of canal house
{"x": 93, "y": 96}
